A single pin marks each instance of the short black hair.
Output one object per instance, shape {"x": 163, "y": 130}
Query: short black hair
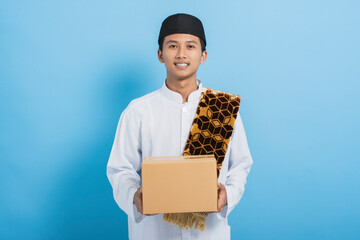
{"x": 161, "y": 43}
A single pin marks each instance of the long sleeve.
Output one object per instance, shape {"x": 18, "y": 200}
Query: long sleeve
{"x": 240, "y": 162}
{"x": 124, "y": 163}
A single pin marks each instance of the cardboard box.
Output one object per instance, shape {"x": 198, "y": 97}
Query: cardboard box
{"x": 179, "y": 184}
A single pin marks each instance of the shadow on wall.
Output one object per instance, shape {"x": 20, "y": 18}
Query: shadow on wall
{"x": 83, "y": 204}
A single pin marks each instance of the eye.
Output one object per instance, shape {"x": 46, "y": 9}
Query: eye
{"x": 172, "y": 46}
{"x": 191, "y": 46}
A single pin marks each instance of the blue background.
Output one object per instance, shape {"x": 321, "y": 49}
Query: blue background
{"x": 69, "y": 68}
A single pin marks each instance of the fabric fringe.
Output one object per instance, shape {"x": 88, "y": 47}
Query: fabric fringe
{"x": 187, "y": 220}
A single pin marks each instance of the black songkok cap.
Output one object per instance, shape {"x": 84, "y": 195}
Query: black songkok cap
{"x": 182, "y": 23}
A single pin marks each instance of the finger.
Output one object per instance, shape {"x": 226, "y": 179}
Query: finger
{"x": 139, "y": 209}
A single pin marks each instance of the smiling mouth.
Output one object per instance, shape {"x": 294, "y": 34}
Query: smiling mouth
{"x": 181, "y": 66}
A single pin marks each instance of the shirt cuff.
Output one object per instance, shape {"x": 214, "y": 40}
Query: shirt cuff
{"x": 135, "y": 215}
{"x": 225, "y": 212}
{"x": 222, "y": 214}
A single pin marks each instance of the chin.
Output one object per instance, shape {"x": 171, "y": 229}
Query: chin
{"x": 184, "y": 77}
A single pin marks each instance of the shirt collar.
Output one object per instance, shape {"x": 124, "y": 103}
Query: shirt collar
{"x": 176, "y": 97}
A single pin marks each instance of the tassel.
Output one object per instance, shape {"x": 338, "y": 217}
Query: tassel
{"x": 187, "y": 220}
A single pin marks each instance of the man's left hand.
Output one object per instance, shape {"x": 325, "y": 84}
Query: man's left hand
{"x": 222, "y": 200}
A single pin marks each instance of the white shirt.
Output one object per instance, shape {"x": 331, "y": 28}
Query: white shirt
{"x": 158, "y": 124}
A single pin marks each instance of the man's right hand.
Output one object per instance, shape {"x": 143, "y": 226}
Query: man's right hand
{"x": 138, "y": 202}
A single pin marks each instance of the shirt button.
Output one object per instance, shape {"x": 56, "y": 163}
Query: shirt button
{"x": 184, "y": 109}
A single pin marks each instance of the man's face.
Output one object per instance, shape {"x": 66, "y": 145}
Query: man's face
{"x": 182, "y": 55}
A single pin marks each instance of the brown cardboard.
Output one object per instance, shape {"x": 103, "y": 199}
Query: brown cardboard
{"x": 179, "y": 184}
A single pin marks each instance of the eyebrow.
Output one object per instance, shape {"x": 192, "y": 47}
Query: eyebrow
{"x": 173, "y": 41}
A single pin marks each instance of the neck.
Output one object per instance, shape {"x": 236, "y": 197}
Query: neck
{"x": 184, "y": 87}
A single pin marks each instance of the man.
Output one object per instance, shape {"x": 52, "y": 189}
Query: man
{"x": 158, "y": 124}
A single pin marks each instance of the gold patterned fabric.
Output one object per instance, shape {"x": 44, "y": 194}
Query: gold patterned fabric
{"x": 210, "y": 134}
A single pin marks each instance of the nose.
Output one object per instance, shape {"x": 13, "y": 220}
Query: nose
{"x": 181, "y": 53}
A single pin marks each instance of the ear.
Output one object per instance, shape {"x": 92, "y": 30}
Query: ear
{"x": 160, "y": 56}
{"x": 203, "y": 57}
